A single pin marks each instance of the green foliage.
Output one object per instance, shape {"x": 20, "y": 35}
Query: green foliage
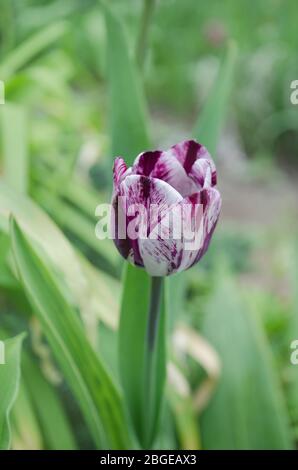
{"x": 211, "y": 120}
{"x": 142, "y": 371}
{"x": 74, "y": 99}
{"x": 127, "y": 107}
{"x": 55, "y": 428}
{"x": 247, "y": 410}
{"x": 90, "y": 383}
{"x": 31, "y": 48}
{"x": 15, "y": 165}
{"x": 9, "y": 380}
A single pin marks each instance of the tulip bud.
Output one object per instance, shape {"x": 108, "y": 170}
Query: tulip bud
{"x": 165, "y": 207}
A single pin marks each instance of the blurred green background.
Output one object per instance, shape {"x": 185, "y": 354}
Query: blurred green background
{"x": 70, "y": 106}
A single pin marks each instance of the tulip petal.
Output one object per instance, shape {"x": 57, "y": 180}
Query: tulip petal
{"x": 169, "y": 169}
{"x": 119, "y": 170}
{"x": 164, "y": 166}
{"x": 211, "y": 200}
{"x": 204, "y": 172}
{"x": 160, "y": 257}
{"x": 138, "y": 189}
{"x": 165, "y": 254}
{"x": 145, "y": 163}
{"x": 187, "y": 152}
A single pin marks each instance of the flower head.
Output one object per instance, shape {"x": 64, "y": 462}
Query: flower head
{"x": 166, "y": 207}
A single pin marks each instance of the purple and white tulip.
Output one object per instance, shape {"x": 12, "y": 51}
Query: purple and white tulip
{"x": 183, "y": 175}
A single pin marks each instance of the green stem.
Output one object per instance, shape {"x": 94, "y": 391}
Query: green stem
{"x": 154, "y": 315}
{"x": 154, "y": 310}
{"x": 143, "y": 31}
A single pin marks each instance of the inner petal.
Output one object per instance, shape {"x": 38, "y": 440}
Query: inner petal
{"x": 169, "y": 169}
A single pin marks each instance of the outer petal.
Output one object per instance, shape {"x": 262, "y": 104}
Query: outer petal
{"x": 146, "y": 191}
{"x": 162, "y": 257}
{"x": 202, "y": 216}
{"x": 192, "y": 218}
{"x": 145, "y": 162}
{"x": 211, "y": 200}
{"x": 119, "y": 171}
{"x": 161, "y": 251}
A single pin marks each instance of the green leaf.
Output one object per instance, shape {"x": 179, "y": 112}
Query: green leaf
{"x": 30, "y": 48}
{"x": 9, "y": 384}
{"x": 247, "y": 410}
{"x": 208, "y": 128}
{"x": 126, "y": 100}
{"x": 56, "y": 429}
{"x": 70, "y": 218}
{"x": 14, "y": 144}
{"x": 25, "y": 428}
{"x": 61, "y": 255}
{"x": 207, "y": 131}
{"x": 144, "y": 405}
{"x": 90, "y": 383}
{"x": 186, "y": 421}
{"x": 291, "y": 336}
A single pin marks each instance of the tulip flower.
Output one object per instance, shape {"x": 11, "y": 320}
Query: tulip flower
{"x": 183, "y": 176}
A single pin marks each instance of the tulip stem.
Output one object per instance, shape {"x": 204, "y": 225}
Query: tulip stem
{"x": 151, "y": 407}
{"x": 154, "y": 310}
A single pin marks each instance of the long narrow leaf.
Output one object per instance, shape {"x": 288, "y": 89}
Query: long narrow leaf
{"x": 96, "y": 394}
{"x": 247, "y": 410}
{"x": 54, "y": 424}
{"x": 127, "y": 105}
{"x": 26, "y": 434}
{"x": 208, "y": 128}
{"x": 207, "y": 131}
{"x": 61, "y": 255}
{"x": 9, "y": 385}
{"x": 25, "y": 52}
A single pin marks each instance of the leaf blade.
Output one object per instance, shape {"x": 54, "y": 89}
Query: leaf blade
{"x": 9, "y": 380}
{"x": 129, "y": 135}
{"x": 209, "y": 124}
{"x": 248, "y": 396}
{"x": 101, "y": 407}
{"x": 13, "y": 127}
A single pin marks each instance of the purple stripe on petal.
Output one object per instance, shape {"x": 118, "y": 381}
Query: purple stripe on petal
{"x": 214, "y": 178}
{"x": 192, "y": 218}
{"x": 119, "y": 170}
{"x": 186, "y": 152}
{"x": 166, "y": 239}
{"x": 201, "y": 172}
{"x": 141, "y": 189}
{"x": 160, "y": 256}
{"x": 146, "y": 162}
{"x": 123, "y": 245}
{"x": 211, "y": 200}
{"x": 146, "y": 191}
{"x": 192, "y": 151}
{"x": 169, "y": 169}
